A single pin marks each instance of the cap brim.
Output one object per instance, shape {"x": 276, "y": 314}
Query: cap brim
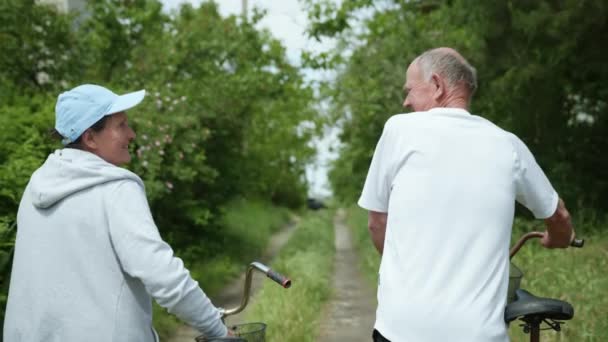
{"x": 127, "y": 101}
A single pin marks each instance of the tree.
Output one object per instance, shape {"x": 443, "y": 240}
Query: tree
{"x": 539, "y": 67}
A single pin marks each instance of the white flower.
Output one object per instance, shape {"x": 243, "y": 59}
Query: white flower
{"x": 42, "y": 78}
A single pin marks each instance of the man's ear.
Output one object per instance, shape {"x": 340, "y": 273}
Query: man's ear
{"x": 440, "y": 86}
{"x": 88, "y": 140}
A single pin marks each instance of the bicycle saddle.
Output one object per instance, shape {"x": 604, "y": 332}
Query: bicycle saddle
{"x": 527, "y": 304}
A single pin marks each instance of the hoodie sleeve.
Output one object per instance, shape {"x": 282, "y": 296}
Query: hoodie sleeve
{"x": 144, "y": 255}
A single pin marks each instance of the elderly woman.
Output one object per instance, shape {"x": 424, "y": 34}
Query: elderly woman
{"x": 88, "y": 256}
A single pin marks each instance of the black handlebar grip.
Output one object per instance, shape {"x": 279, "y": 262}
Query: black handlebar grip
{"x": 279, "y": 278}
{"x": 578, "y": 243}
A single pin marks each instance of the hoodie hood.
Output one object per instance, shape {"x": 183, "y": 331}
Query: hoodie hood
{"x": 68, "y": 171}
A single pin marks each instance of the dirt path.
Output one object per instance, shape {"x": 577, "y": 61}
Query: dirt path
{"x": 351, "y": 313}
{"x": 231, "y": 296}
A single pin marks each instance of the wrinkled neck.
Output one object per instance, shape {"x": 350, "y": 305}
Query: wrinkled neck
{"x": 456, "y": 100}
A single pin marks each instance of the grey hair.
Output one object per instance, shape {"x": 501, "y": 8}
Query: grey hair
{"x": 451, "y": 66}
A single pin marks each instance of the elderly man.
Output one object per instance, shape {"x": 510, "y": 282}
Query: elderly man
{"x": 441, "y": 192}
{"x": 88, "y": 256}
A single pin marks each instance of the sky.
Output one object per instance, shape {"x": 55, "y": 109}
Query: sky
{"x": 285, "y": 18}
{"x": 287, "y": 21}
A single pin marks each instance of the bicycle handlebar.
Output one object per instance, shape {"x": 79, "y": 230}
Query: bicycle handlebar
{"x": 277, "y": 277}
{"x": 578, "y": 243}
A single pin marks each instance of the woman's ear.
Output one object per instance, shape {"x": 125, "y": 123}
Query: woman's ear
{"x": 88, "y": 140}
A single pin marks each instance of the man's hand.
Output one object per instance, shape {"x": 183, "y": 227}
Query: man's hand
{"x": 547, "y": 241}
{"x": 559, "y": 233}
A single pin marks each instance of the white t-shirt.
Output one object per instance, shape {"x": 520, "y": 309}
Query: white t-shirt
{"x": 448, "y": 181}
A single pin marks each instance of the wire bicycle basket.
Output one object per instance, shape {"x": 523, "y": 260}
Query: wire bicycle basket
{"x": 515, "y": 275}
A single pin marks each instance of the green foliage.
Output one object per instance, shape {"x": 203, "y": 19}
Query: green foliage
{"x": 7, "y": 236}
{"x": 24, "y": 144}
{"x": 38, "y": 49}
{"x": 293, "y": 314}
{"x": 540, "y": 68}
{"x": 247, "y": 227}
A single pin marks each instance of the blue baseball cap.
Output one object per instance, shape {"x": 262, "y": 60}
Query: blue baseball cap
{"x": 80, "y": 108}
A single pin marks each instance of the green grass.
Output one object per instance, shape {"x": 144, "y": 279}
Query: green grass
{"x": 247, "y": 227}
{"x": 356, "y": 219}
{"x": 578, "y": 276}
{"x": 292, "y": 315}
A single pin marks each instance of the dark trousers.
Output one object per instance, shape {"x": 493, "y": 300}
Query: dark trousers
{"x": 377, "y": 337}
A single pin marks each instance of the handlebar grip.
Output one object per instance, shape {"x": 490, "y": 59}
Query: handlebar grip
{"x": 578, "y": 243}
{"x": 279, "y": 278}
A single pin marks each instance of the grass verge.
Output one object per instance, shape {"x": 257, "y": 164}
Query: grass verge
{"x": 577, "y": 276}
{"x": 293, "y": 315}
{"x": 247, "y": 227}
{"x": 356, "y": 219}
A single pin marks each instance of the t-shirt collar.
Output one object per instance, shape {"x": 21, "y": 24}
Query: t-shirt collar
{"x": 449, "y": 110}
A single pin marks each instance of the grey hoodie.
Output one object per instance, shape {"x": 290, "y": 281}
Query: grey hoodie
{"x": 89, "y": 258}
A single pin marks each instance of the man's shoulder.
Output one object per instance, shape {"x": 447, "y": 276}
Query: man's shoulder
{"x": 494, "y": 127}
{"x": 404, "y": 119}
{"x": 516, "y": 143}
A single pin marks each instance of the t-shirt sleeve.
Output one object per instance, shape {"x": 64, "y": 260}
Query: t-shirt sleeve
{"x": 532, "y": 187}
{"x": 144, "y": 255}
{"x": 377, "y": 187}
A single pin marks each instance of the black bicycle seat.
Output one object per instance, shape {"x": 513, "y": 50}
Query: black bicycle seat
{"x": 527, "y": 304}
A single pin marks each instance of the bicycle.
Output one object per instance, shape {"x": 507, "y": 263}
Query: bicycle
{"x": 254, "y": 331}
{"x": 530, "y": 309}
